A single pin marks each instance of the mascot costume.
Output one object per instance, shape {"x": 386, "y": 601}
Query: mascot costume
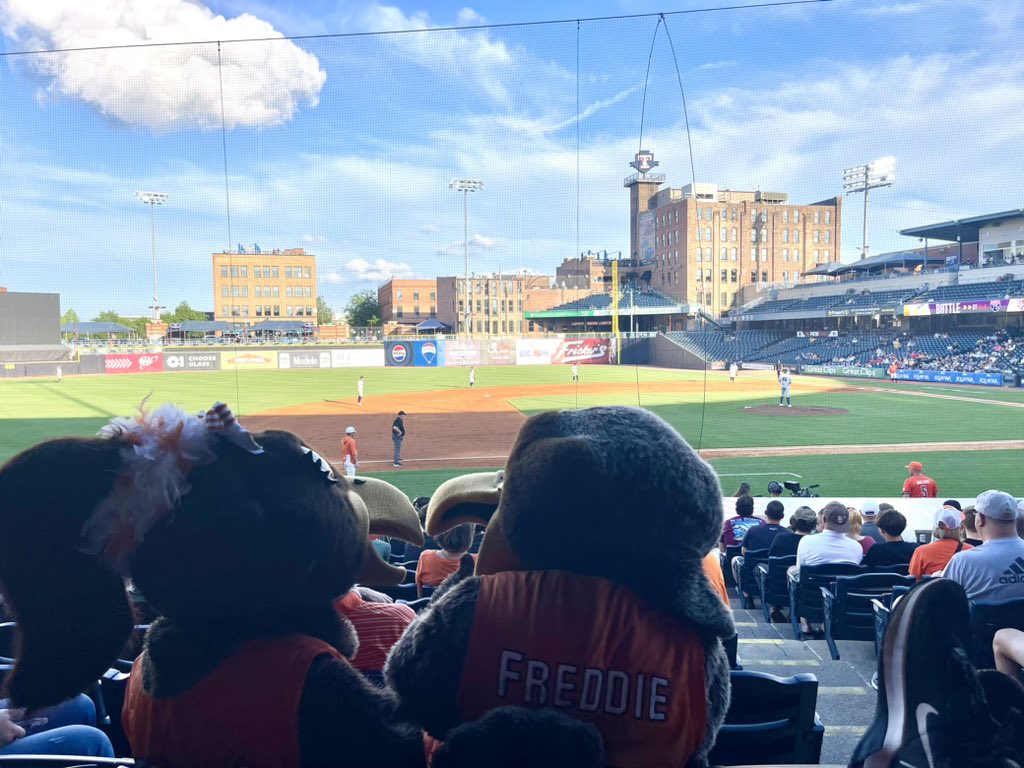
{"x": 589, "y": 597}
{"x": 240, "y": 543}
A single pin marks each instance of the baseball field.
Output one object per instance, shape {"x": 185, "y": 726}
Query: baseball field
{"x": 853, "y": 438}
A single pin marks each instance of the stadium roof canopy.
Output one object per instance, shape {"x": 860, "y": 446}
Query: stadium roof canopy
{"x": 433, "y": 324}
{"x": 204, "y": 326}
{"x": 880, "y": 262}
{"x": 964, "y": 230}
{"x": 89, "y": 328}
{"x": 278, "y": 325}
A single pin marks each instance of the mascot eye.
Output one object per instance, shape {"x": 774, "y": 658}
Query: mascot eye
{"x": 321, "y": 464}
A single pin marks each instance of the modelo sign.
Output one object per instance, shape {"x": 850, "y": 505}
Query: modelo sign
{"x": 583, "y": 352}
{"x": 303, "y": 360}
{"x": 192, "y": 361}
{"x": 133, "y": 363}
{"x": 397, "y": 353}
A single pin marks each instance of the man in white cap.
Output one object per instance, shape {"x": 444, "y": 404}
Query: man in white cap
{"x": 350, "y": 451}
{"x": 995, "y": 570}
{"x": 869, "y": 511}
{"x": 932, "y": 558}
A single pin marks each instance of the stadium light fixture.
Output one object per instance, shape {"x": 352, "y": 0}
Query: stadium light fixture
{"x": 465, "y": 186}
{"x": 863, "y": 178}
{"x": 153, "y": 199}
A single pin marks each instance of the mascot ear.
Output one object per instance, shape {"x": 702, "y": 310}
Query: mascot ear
{"x": 71, "y": 608}
{"x": 464, "y": 499}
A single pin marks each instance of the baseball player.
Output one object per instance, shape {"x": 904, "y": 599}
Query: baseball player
{"x": 472, "y": 376}
{"x": 733, "y": 369}
{"x": 351, "y": 452}
{"x": 893, "y": 370}
{"x": 784, "y": 383}
{"x": 359, "y": 390}
{"x": 575, "y": 372}
{"x": 60, "y": 373}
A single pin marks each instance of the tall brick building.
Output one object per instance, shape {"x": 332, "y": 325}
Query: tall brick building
{"x": 407, "y": 302}
{"x": 251, "y": 285}
{"x": 703, "y": 245}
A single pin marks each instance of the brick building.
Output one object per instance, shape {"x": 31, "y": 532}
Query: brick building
{"x": 703, "y": 245}
{"x": 407, "y": 302}
{"x": 253, "y": 285}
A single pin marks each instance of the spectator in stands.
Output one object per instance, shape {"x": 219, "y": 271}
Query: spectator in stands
{"x": 833, "y": 546}
{"x": 736, "y": 527}
{"x": 803, "y": 522}
{"x": 743, "y": 490}
{"x": 919, "y": 485}
{"x": 970, "y": 532}
{"x": 713, "y": 570}
{"x": 930, "y": 559}
{"x": 775, "y": 489}
{"x": 760, "y": 537}
{"x": 856, "y": 525}
{"x": 412, "y": 552}
{"x": 378, "y": 623}
{"x": 995, "y": 570}
{"x": 869, "y": 511}
{"x": 894, "y": 550}
{"x": 1008, "y": 649}
{"x": 436, "y": 565}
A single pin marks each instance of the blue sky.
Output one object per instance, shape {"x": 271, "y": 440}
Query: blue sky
{"x": 345, "y": 146}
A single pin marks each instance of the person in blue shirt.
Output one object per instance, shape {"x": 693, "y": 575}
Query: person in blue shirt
{"x": 759, "y": 537}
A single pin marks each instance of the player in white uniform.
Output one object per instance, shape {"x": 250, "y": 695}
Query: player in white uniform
{"x": 575, "y": 372}
{"x": 359, "y": 390}
{"x": 472, "y": 376}
{"x": 733, "y": 369}
{"x": 784, "y": 383}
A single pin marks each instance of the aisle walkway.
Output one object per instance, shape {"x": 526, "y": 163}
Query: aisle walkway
{"x": 846, "y": 700}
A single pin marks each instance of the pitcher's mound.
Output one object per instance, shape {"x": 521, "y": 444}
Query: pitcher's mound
{"x": 796, "y": 410}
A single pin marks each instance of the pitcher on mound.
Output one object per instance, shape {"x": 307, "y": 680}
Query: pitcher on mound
{"x": 784, "y": 383}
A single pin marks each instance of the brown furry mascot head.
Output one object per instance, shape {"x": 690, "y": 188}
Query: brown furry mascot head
{"x": 216, "y": 527}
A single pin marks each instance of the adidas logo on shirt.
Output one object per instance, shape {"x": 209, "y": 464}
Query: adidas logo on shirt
{"x": 1014, "y": 574}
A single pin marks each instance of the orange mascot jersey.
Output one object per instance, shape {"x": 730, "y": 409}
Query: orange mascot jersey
{"x": 597, "y": 652}
{"x": 244, "y": 713}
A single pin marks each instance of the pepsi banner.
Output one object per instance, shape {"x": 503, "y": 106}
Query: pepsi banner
{"x": 425, "y": 354}
{"x": 398, "y": 353}
{"x": 951, "y": 377}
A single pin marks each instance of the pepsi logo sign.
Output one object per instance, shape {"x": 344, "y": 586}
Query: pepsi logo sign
{"x": 399, "y": 353}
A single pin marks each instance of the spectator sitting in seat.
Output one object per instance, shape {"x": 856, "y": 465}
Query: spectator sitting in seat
{"x": 894, "y": 550}
{"x": 758, "y": 537}
{"x": 412, "y": 552}
{"x": 379, "y": 622}
{"x": 735, "y": 528}
{"x": 992, "y": 571}
{"x": 970, "y": 533}
{"x": 869, "y": 511}
{"x": 931, "y": 559}
{"x": 437, "y": 565}
{"x": 713, "y": 570}
{"x": 802, "y": 522}
{"x": 856, "y": 525}
{"x": 65, "y": 729}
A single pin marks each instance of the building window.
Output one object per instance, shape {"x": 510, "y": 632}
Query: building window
{"x": 245, "y": 311}
{"x": 266, "y": 291}
{"x": 234, "y": 271}
{"x": 707, "y": 234}
{"x": 309, "y": 311}
{"x": 725, "y": 299}
{"x": 224, "y": 270}
{"x": 785, "y": 235}
{"x": 224, "y": 309}
{"x": 415, "y": 295}
{"x": 307, "y": 273}
{"x": 827, "y": 253}
{"x": 479, "y": 326}
{"x": 785, "y": 276}
{"x": 796, "y": 254}
{"x": 828, "y": 217}
{"x": 277, "y": 291}
{"x": 288, "y": 291}
{"x": 785, "y": 254}
{"x": 764, "y": 235}
{"x": 245, "y": 291}
{"x": 416, "y": 310}
{"x": 725, "y": 233}
{"x": 398, "y": 295}
{"x": 700, "y": 213}
{"x": 224, "y": 291}
{"x": 753, "y": 235}
{"x": 753, "y": 276}
{"x": 275, "y": 273}
{"x": 732, "y": 214}
{"x": 707, "y": 276}
{"x": 764, "y": 254}
{"x": 433, "y": 311}
{"x": 796, "y": 235}
{"x": 707, "y": 213}
{"x": 732, "y": 234}
{"x": 734, "y": 275}
{"x": 258, "y": 291}
{"x": 234, "y": 311}
{"x": 724, "y": 254}
{"x": 244, "y": 271}
{"x": 234, "y": 291}
{"x": 817, "y": 234}
{"x": 290, "y": 310}
{"x": 753, "y": 215}
{"x": 266, "y": 310}
{"x": 725, "y": 275}
{"x": 817, "y": 217}
{"x": 785, "y": 216}
{"x": 700, "y": 232}
{"x": 732, "y": 254}
{"x": 796, "y": 217}
{"x": 764, "y": 216}
{"x": 764, "y": 277}
{"x": 288, "y": 276}
{"x": 700, "y": 276}
{"x": 259, "y": 310}
{"x": 433, "y": 294}
{"x": 828, "y": 235}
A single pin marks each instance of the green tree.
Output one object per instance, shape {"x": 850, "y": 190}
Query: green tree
{"x": 69, "y": 317}
{"x": 324, "y": 313}
{"x": 361, "y": 309}
{"x": 182, "y": 313}
{"x": 137, "y": 324}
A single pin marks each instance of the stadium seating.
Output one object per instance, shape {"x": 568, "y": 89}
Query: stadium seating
{"x": 772, "y": 583}
{"x": 847, "y": 609}
{"x": 639, "y": 299}
{"x": 805, "y": 601}
{"x": 771, "y": 721}
{"x": 752, "y": 559}
{"x": 989, "y": 616}
{"x": 973, "y": 292}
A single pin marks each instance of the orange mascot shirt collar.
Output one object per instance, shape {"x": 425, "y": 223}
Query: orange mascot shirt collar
{"x": 245, "y": 712}
{"x": 597, "y": 652}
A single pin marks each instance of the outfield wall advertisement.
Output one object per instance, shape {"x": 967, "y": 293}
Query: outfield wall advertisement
{"x": 951, "y": 377}
{"x": 153, "y": 363}
{"x": 844, "y": 370}
{"x": 359, "y": 357}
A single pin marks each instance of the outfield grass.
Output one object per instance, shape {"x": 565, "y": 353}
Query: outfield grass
{"x": 717, "y": 416}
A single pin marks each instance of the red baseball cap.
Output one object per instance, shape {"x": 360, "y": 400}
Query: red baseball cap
{"x": 915, "y": 465}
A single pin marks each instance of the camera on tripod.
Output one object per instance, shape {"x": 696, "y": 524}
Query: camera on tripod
{"x": 795, "y": 490}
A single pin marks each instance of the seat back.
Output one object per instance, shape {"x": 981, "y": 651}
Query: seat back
{"x": 923, "y": 536}
{"x": 805, "y": 594}
{"x": 902, "y": 569}
{"x": 882, "y": 614}
{"x": 725, "y": 558}
{"x": 113, "y": 687}
{"x": 771, "y": 721}
{"x": 850, "y": 615}
{"x": 753, "y": 558}
{"x": 987, "y": 618}
{"x": 775, "y": 586}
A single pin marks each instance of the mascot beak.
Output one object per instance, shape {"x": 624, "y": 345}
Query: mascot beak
{"x": 475, "y": 499}
{"x": 390, "y": 513}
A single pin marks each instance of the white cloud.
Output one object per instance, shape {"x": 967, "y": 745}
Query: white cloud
{"x": 376, "y": 271}
{"x": 430, "y": 229}
{"x": 332, "y": 278}
{"x": 482, "y": 241}
{"x": 314, "y": 239}
{"x": 164, "y": 88}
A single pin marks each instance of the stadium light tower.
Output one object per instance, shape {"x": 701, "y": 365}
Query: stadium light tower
{"x": 153, "y": 199}
{"x": 465, "y": 186}
{"x": 862, "y": 178}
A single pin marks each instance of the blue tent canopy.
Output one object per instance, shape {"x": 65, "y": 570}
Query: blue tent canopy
{"x": 432, "y": 324}
{"x": 89, "y": 328}
{"x": 203, "y": 326}
{"x": 278, "y": 325}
